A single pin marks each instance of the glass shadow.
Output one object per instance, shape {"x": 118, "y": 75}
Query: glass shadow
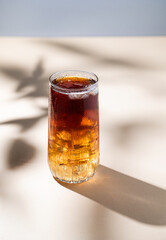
{"x": 126, "y": 195}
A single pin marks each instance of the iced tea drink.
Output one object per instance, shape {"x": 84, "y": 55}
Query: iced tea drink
{"x": 73, "y": 126}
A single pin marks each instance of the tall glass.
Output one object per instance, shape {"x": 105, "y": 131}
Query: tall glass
{"x": 73, "y": 126}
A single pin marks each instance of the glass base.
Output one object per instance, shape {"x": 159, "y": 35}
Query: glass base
{"x": 73, "y": 182}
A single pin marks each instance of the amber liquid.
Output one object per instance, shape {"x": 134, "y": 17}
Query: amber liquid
{"x": 73, "y": 137}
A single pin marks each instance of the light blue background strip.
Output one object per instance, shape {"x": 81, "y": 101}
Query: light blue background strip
{"x": 82, "y": 17}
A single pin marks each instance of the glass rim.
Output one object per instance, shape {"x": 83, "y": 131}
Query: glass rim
{"x": 73, "y": 73}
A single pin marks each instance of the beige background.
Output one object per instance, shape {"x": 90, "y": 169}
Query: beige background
{"x": 126, "y": 200}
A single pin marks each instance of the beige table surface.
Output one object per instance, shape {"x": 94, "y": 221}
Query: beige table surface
{"x": 126, "y": 200}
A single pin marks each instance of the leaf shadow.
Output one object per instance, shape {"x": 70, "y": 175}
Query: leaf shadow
{"x": 29, "y": 86}
{"x": 20, "y": 153}
{"x": 96, "y": 57}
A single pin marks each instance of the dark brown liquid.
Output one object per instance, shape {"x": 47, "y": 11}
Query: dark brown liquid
{"x": 73, "y": 83}
{"x": 73, "y": 129}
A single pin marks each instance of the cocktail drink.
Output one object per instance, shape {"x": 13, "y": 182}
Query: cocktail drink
{"x": 73, "y": 126}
